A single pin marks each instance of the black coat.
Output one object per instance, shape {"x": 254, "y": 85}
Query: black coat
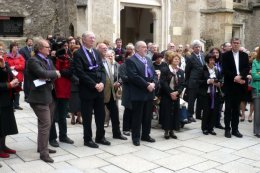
{"x": 169, "y": 109}
{"x": 88, "y": 78}
{"x": 194, "y": 71}
{"x": 6, "y": 76}
{"x": 138, "y": 83}
{"x": 229, "y": 71}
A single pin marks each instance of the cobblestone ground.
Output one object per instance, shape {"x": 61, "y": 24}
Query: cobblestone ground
{"x": 192, "y": 152}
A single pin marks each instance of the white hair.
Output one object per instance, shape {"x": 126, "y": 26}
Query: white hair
{"x": 138, "y": 44}
{"x": 196, "y": 43}
{"x": 87, "y": 33}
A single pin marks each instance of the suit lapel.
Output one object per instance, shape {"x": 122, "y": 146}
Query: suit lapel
{"x": 84, "y": 57}
{"x": 42, "y": 62}
{"x": 140, "y": 65}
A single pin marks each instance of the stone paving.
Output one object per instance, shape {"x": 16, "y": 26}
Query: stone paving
{"x": 192, "y": 152}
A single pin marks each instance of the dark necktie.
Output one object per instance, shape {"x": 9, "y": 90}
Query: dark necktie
{"x": 92, "y": 57}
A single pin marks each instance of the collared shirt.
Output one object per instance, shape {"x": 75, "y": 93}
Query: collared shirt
{"x": 106, "y": 67}
{"x": 236, "y": 59}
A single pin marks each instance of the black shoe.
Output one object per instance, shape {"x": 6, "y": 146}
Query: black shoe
{"x": 148, "y": 139}
{"x": 257, "y": 135}
{"x": 220, "y": 127}
{"x": 120, "y": 137}
{"x": 103, "y": 141}
{"x": 227, "y": 134}
{"x": 166, "y": 134}
{"x": 47, "y": 159}
{"x": 237, "y": 134}
{"x": 205, "y": 132}
{"x": 127, "y": 133}
{"x": 172, "y": 135}
{"x": 50, "y": 151}
{"x": 136, "y": 143}
{"x": 212, "y": 133}
{"x": 54, "y": 143}
{"x": 191, "y": 119}
{"x": 67, "y": 140}
{"x": 91, "y": 144}
{"x": 18, "y": 108}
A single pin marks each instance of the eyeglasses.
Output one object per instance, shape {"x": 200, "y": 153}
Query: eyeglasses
{"x": 48, "y": 47}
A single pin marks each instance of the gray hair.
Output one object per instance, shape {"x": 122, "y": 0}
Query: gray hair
{"x": 195, "y": 43}
{"x": 131, "y": 46}
{"x": 39, "y": 44}
{"x": 138, "y": 44}
{"x": 87, "y": 33}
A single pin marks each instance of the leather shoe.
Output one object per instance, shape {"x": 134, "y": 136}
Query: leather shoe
{"x": 18, "y": 108}
{"x": 148, "y": 139}
{"x": 205, "y": 132}
{"x": 237, "y": 134}
{"x": 172, "y": 135}
{"x": 120, "y": 137}
{"x": 47, "y": 159}
{"x": 103, "y": 141}
{"x": 220, "y": 127}
{"x": 91, "y": 144}
{"x": 191, "y": 119}
{"x": 136, "y": 143}
{"x": 127, "y": 133}
{"x": 227, "y": 134}
{"x": 212, "y": 132}
{"x": 54, "y": 143}
{"x": 257, "y": 135}
{"x": 4, "y": 155}
{"x": 9, "y": 151}
{"x": 50, "y": 151}
{"x": 67, "y": 140}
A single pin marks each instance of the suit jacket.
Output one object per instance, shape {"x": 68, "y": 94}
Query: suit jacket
{"x": 206, "y": 76}
{"x": 229, "y": 71}
{"x": 37, "y": 68}
{"x": 25, "y": 53}
{"x": 194, "y": 71}
{"x": 109, "y": 86}
{"x": 138, "y": 83}
{"x": 88, "y": 78}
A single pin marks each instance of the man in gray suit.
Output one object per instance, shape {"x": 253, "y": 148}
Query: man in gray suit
{"x": 41, "y": 74}
{"x": 194, "y": 76}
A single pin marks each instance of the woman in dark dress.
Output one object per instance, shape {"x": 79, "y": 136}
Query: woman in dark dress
{"x": 210, "y": 95}
{"x": 172, "y": 84}
{"x": 7, "y": 120}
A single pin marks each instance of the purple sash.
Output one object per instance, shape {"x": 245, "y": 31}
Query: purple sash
{"x": 89, "y": 59}
{"x": 147, "y": 69}
{"x": 45, "y": 59}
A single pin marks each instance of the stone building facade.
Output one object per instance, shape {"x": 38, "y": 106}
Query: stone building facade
{"x": 159, "y": 21}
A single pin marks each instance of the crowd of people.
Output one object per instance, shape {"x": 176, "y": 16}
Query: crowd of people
{"x": 80, "y": 77}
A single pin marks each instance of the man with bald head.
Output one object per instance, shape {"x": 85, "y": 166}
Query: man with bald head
{"x": 91, "y": 73}
{"x": 142, "y": 79}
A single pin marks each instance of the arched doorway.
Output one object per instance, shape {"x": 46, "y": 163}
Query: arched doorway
{"x": 136, "y": 24}
{"x": 71, "y": 30}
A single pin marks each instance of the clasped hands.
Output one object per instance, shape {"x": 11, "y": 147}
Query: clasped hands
{"x": 99, "y": 87}
{"x": 238, "y": 80}
{"x": 151, "y": 87}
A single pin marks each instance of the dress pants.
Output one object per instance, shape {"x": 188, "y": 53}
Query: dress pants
{"x": 194, "y": 94}
{"x": 87, "y": 107}
{"x": 61, "y": 111}
{"x": 127, "y": 119}
{"x": 44, "y": 112}
{"x": 114, "y": 115}
{"x": 26, "y": 86}
{"x": 141, "y": 116}
{"x": 209, "y": 114}
{"x": 232, "y": 108}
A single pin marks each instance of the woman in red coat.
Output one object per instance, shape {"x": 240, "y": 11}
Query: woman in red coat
{"x": 17, "y": 64}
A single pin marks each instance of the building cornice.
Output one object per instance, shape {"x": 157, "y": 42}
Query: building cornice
{"x": 218, "y": 10}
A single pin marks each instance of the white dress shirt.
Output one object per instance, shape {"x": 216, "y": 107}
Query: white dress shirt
{"x": 236, "y": 58}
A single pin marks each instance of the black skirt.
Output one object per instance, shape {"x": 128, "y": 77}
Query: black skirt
{"x": 7, "y": 121}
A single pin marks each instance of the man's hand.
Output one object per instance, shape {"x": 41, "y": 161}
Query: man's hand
{"x": 14, "y": 83}
{"x": 116, "y": 85}
{"x": 151, "y": 87}
{"x": 237, "y": 79}
{"x": 217, "y": 84}
{"x": 58, "y": 73}
{"x": 99, "y": 87}
{"x": 174, "y": 95}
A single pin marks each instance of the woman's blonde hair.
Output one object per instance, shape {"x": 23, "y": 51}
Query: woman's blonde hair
{"x": 169, "y": 56}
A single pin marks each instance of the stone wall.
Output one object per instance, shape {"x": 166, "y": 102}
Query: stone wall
{"x": 42, "y": 17}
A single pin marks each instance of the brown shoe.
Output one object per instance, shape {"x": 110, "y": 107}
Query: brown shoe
{"x": 47, "y": 158}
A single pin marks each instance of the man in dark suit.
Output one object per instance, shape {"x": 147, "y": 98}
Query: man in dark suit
{"x": 41, "y": 74}
{"x": 26, "y": 53}
{"x": 142, "y": 80}
{"x": 194, "y": 77}
{"x": 92, "y": 77}
{"x": 119, "y": 51}
{"x": 235, "y": 69}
